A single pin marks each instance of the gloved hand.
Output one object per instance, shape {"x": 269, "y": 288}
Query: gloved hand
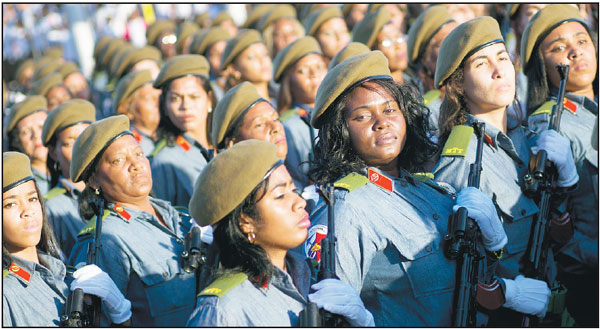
{"x": 482, "y": 210}
{"x": 338, "y": 297}
{"x": 92, "y": 280}
{"x": 558, "y": 148}
{"x": 206, "y": 234}
{"x": 527, "y": 295}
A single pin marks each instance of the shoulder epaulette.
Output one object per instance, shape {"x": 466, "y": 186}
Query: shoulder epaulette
{"x": 286, "y": 115}
{"x": 351, "y": 182}
{"x": 423, "y": 176}
{"x": 458, "y": 141}
{"x": 4, "y": 273}
{"x": 91, "y": 225}
{"x": 546, "y": 108}
{"x": 159, "y": 146}
{"x": 224, "y": 284}
{"x": 431, "y": 95}
{"x": 183, "y": 211}
{"x": 54, "y": 193}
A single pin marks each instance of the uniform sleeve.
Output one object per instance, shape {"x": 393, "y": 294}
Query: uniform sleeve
{"x": 163, "y": 179}
{"x": 115, "y": 262}
{"x": 6, "y": 318}
{"x": 78, "y": 256}
{"x": 452, "y": 170}
{"x": 206, "y": 315}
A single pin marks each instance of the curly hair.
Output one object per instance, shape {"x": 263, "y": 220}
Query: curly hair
{"x": 334, "y": 153}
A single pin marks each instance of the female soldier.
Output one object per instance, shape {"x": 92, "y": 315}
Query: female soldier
{"x": 372, "y": 135}
{"x": 378, "y": 32}
{"x": 183, "y": 131}
{"x": 138, "y": 100}
{"x": 279, "y": 28}
{"x": 142, "y": 237}
{"x": 257, "y": 218}
{"x": 33, "y": 288}
{"x": 53, "y": 88}
{"x": 558, "y": 35}
{"x": 211, "y": 43}
{"x": 61, "y": 129}
{"x": 246, "y": 59}
{"x": 479, "y": 78}
{"x": 299, "y": 68}
{"x": 327, "y": 25}
{"x": 24, "y": 131}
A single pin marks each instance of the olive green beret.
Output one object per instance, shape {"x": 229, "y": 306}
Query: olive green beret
{"x": 109, "y": 50}
{"x": 182, "y": 65}
{"x": 45, "y": 70}
{"x": 16, "y": 169}
{"x": 202, "y": 19}
{"x": 350, "y": 50}
{"x": 367, "y": 29}
{"x": 93, "y": 141}
{"x": 66, "y": 115}
{"x": 512, "y": 9}
{"x": 313, "y": 22}
{"x": 117, "y": 57}
{"x": 206, "y": 38}
{"x": 41, "y": 62}
{"x": 279, "y": 11}
{"x": 184, "y": 31}
{"x": 346, "y": 8}
{"x": 373, "y": 7}
{"x": 25, "y": 65}
{"x": 237, "y": 45}
{"x": 156, "y": 28}
{"x": 353, "y": 70}
{"x": 256, "y": 14}
{"x": 308, "y": 8}
{"x": 54, "y": 52}
{"x": 544, "y": 22}
{"x": 67, "y": 68}
{"x": 135, "y": 55}
{"x": 229, "y": 178}
{"x": 292, "y": 53}
{"x": 102, "y": 42}
{"x": 128, "y": 85}
{"x": 424, "y": 28}
{"x": 28, "y": 106}
{"x": 466, "y": 39}
{"x": 43, "y": 86}
{"x": 234, "y": 103}
{"x": 223, "y": 16}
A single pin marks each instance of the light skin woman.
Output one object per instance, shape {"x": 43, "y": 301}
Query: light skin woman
{"x": 253, "y": 65}
{"x": 28, "y": 140}
{"x": 392, "y": 44}
{"x": 333, "y": 35}
{"x": 56, "y": 96}
{"x": 301, "y": 81}
{"x": 142, "y": 109}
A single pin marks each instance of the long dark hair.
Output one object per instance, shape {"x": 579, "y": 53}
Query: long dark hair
{"x": 53, "y": 166}
{"x": 334, "y": 154}
{"x": 47, "y": 242}
{"x": 236, "y": 253}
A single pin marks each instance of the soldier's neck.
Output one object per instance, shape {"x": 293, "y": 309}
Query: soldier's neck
{"x": 263, "y": 89}
{"x": 39, "y": 165}
{"x": 29, "y": 253}
{"x": 495, "y": 117}
{"x": 200, "y": 136}
{"x": 588, "y": 92}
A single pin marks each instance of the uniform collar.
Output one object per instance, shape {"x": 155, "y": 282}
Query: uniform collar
{"x": 162, "y": 207}
{"x": 295, "y": 282}
{"x": 24, "y": 270}
{"x": 496, "y": 138}
{"x": 39, "y": 175}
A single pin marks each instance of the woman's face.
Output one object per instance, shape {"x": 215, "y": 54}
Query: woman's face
{"x": 144, "y": 111}
{"x": 376, "y": 125}
{"x": 284, "y": 33}
{"x": 123, "y": 172}
{"x": 30, "y": 136}
{"x": 254, "y": 64}
{"x": 570, "y": 44}
{"x": 187, "y": 103}
{"x": 22, "y": 217}
{"x": 307, "y": 75}
{"x": 147, "y": 64}
{"x": 393, "y": 45}
{"x": 56, "y": 96}
{"x": 262, "y": 122}
{"x": 63, "y": 149}
{"x": 77, "y": 85}
{"x": 284, "y": 222}
{"x": 489, "y": 79}
{"x": 396, "y": 15}
{"x": 333, "y": 35}
{"x": 357, "y": 13}
{"x": 213, "y": 55}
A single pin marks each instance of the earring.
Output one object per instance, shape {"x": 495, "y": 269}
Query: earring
{"x": 97, "y": 191}
{"x": 251, "y": 237}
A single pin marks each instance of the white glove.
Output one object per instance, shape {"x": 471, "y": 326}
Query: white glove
{"x": 481, "y": 208}
{"x": 527, "y": 295}
{"x": 92, "y": 280}
{"x": 206, "y": 234}
{"x": 338, "y": 297}
{"x": 558, "y": 148}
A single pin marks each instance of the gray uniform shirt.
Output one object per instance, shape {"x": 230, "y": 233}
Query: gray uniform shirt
{"x": 143, "y": 258}
{"x": 276, "y": 305}
{"x": 583, "y": 202}
{"x": 42, "y": 180}
{"x": 145, "y": 141}
{"x": 389, "y": 249}
{"x": 63, "y": 215}
{"x": 35, "y": 295}
{"x": 175, "y": 170}
{"x": 298, "y": 137}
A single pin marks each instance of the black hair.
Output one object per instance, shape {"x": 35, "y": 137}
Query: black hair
{"x": 334, "y": 154}
{"x": 47, "y": 242}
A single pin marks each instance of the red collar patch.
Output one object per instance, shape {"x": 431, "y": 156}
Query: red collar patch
{"x": 570, "y": 105}
{"x": 181, "y": 141}
{"x": 380, "y": 180}
{"x": 136, "y": 135}
{"x": 18, "y": 271}
{"x": 302, "y": 112}
{"x": 489, "y": 140}
{"x": 121, "y": 211}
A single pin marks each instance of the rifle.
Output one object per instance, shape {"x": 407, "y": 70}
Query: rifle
{"x": 541, "y": 178}
{"x": 464, "y": 236}
{"x": 194, "y": 254}
{"x": 77, "y": 312}
{"x": 312, "y": 316}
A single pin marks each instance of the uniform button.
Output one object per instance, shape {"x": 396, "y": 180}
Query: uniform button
{"x": 179, "y": 241}
{"x": 403, "y": 183}
{"x": 436, "y": 216}
{"x": 165, "y": 275}
{"x": 523, "y": 211}
{"x": 428, "y": 248}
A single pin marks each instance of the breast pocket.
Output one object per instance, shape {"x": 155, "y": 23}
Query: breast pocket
{"x": 517, "y": 215}
{"x": 429, "y": 271}
{"x": 170, "y": 293}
